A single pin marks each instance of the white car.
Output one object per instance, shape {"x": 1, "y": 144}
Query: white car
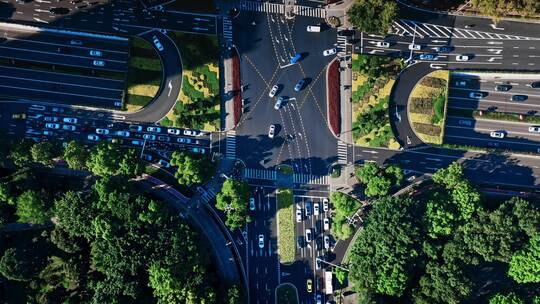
{"x": 102, "y": 131}
{"x": 261, "y": 241}
{"x": 497, "y": 134}
{"x": 96, "y": 53}
{"x": 325, "y": 204}
{"x": 48, "y": 133}
{"x": 68, "y": 127}
{"x": 382, "y": 44}
{"x": 460, "y": 83}
{"x": 174, "y": 131}
{"x": 157, "y": 43}
{"x": 164, "y": 163}
{"x": 122, "y": 133}
{"x": 52, "y": 126}
{"x": 92, "y": 137}
{"x": 298, "y": 215}
{"x": 462, "y": 58}
{"x": 329, "y": 52}
{"x": 191, "y": 133}
{"x": 183, "y": 140}
{"x": 251, "y": 204}
{"x": 415, "y": 47}
{"x": 99, "y": 63}
{"x": 272, "y": 131}
{"x": 326, "y": 242}
{"x": 316, "y": 209}
{"x": 273, "y": 91}
{"x": 149, "y": 137}
{"x": 326, "y": 224}
{"x": 70, "y": 120}
{"x": 153, "y": 129}
{"x": 534, "y": 129}
{"x": 476, "y": 95}
{"x": 308, "y": 235}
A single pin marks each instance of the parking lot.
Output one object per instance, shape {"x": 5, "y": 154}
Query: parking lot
{"x": 492, "y": 96}
{"x": 63, "y": 68}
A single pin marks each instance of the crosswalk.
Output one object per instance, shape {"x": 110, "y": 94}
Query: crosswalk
{"x": 275, "y": 8}
{"x": 230, "y": 142}
{"x": 259, "y": 174}
{"x": 342, "y": 153}
{"x": 227, "y": 30}
{"x": 341, "y": 44}
{"x": 405, "y": 27}
{"x": 208, "y": 195}
{"x": 310, "y": 179}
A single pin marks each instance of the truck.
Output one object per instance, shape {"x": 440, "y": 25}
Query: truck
{"x": 328, "y": 288}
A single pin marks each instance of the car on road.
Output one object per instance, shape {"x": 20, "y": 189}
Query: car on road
{"x": 75, "y": 42}
{"x": 476, "y": 95}
{"x": 50, "y": 118}
{"x": 149, "y": 136}
{"x": 99, "y": 63}
{"x": 68, "y": 127}
{"x": 93, "y": 137}
{"x": 313, "y": 28}
{"x": 57, "y": 110}
{"x": 414, "y": 47}
{"x": 157, "y": 43}
{"x": 309, "y": 285}
{"x": 272, "y": 131}
{"x": 183, "y": 140}
{"x": 316, "y": 209}
{"x": 318, "y": 299}
{"x": 465, "y": 122}
{"x": 135, "y": 128}
{"x": 96, "y": 53}
{"x": 443, "y": 49}
{"x": 534, "y": 129}
{"x": 279, "y": 102}
{"x": 164, "y": 163}
{"x": 318, "y": 264}
{"x": 164, "y": 138}
{"x": 296, "y": 58}
{"x": 192, "y": 133}
{"x": 153, "y": 129}
{"x": 428, "y": 57}
{"x": 137, "y": 142}
{"x": 497, "y": 134}
{"x": 298, "y": 215}
{"x": 273, "y": 91}
{"x": 251, "y": 204}
{"x": 519, "y": 97}
{"x": 48, "y": 133}
{"x": 52, "y": 126}
{"x": 147, "y": 157}
{"x": 261, "y": 241}
{"x": 329, "y": 52}
{"x": 70, "y": 120}
{"x": 535, "y": 85}
{"x": 326, "y": 242}
{"x": 462, "y": 58}
{"x": 299, "y": 85}
{"x": 325, "y": 204}
{"x": 309, "y": 236}
{"x": 503, "y": 88}
{"x": 102, "y": 131}
{"x": 300, "y": 241}
{"x": 326, "y": 224}
{"x": 460, "y": 83}
{"x": 382, "y": 44}
{"x": 174, "y": 131}
{"x": 198, "y": 150}
{"x": 122, "y": 133}
{"x": 308, "y": 209}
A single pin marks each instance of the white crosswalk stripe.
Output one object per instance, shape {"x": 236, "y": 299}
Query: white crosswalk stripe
{"x": 227, "y": 30}
{"x": 259, "y": 174}
{"x": 405, "y": 27}
{"x": 275, "y": 8}
{"x": 208, "y": 195}
{"x": 341, "y": 43}
{"x": 230, "y": 142}
{"x": 310, "y": 179}
{"x": 342, "y": 153}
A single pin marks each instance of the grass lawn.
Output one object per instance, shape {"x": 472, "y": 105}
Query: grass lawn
{"x": 427, "y": 105}
{"x": 198, "y": 105}
{"x": 285, "y": 224}
{"x": 144, "y": 74}
{"x": 371, "y": 92}
{"x": 286, "y": 294}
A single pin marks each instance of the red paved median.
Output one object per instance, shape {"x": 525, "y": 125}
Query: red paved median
{"x": 237, "y": 99}
{"x": 333, "y": 97}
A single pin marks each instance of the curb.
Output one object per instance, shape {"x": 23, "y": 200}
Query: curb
{"x": 286, "y": 284}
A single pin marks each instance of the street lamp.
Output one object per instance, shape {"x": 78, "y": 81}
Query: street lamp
{"x": 411, "y": 47}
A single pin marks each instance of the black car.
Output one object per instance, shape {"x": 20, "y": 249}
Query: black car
{"x": 319, "y": 243}
{"x": 300, "y": 241}
{"x": 59, "y": 10}
{"x": 519, "y": 97}
{"x": 503, "y": 88}
{"x": 535, "y": 84}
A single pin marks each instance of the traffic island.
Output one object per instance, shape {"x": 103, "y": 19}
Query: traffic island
{"x": 372, "y": 80}
{"x": 285, "y": 226}
{"x": 237, "y": 86}
{"x": 427, "y": 107}
{"x": 333, "y": 97}
{"x": 286, "y": 293}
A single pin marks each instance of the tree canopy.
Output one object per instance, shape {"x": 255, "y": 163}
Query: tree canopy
{"x": 344, "y": 207}
{"x": 75, "y": 154}
{"x": 379, "y": 180}
{"x": 192, "y": 169}
{"x": 233, "y": 200}
{"x": 373, "y": 16}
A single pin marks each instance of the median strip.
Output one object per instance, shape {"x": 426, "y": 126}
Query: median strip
{"x": 285, "y": 226}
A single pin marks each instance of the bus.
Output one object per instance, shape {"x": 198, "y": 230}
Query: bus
{"x": 328, "y": 288}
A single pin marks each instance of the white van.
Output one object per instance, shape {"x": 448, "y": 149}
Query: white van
{"x": 313, "y": 28}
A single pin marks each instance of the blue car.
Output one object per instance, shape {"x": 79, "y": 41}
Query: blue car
{"x": 299, "y": 85}
{"x": 296, "y": 58}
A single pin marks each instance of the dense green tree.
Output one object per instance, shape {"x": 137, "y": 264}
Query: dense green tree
{"x": 378, "y": 181}
{"x": 107, "y": 159}
{"x": 44, "y": 152}
{"x": 341, "y": 275}
{"x": 388, "y": 248}
{"x": 441, "y": 215}
{"x": 74, "y": 214}
{"x": 192, "y": 169}
{"x": 233, "y": 200}
{"x": 496, "y": 9}
{"x": 510, "y": 298}
{"x": 449, "y": 176}
{"x": 234, "y": 295}
{"x": 378, "y": 186}
{"x": 396, "y": 173}
{"x": 32, "y": 208}
{"x": 65, "y": 241}
{"x": 373, "y": 16}
{"x": 75, "y": 154}
{"x": 366, "y": 172}
{"x": 525, "y": 263}
{"x": 345, "y": 207}
{"x": 18, "y": 265}
{"x": 443, "y": 283}
{"x": 20, "y": 152}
